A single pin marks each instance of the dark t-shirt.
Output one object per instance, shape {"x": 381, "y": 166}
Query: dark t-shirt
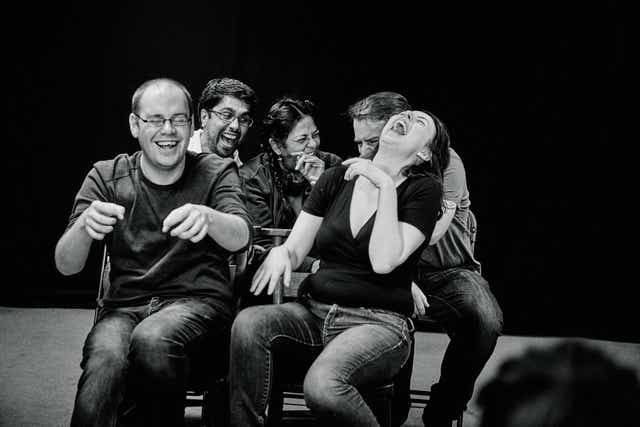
{"x": 146, "y": 262}
{"x": 346, "y": 276}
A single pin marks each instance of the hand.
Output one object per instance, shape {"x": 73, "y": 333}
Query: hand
{"x": 366, "y": 168}
{"x": 420, "y": 303}
{"x": 275, "y": 265}
{"x": 310, "y": 166}
{"x": 315, "y": 266}
{"x": 99, "y": 218}
{"x": 188, "y": 222}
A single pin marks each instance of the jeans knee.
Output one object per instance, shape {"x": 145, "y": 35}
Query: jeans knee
{"x": 483, "y": 316}
{"x": 322, "y": 392}
{"x": 252, "y": 326}
{"x": 153, "y": 354}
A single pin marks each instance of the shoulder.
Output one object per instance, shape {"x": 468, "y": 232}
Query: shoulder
{"x": 422, "y": 184}
{"x": 255, "y": 168}
{"x": 330, "y": 159}
{"x": 118, "y": 167}
{"x": 455, "y": 162}
{"x": 209, "y": 164}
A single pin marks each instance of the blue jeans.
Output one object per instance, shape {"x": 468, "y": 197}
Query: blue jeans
{"x": 461, "y": 301}
{"x": 144, "y": 351}
{"x": 350, "y": 348}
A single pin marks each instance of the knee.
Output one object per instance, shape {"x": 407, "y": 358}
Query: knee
{"x": 251, "y": 327}
{"x": 153, "y": 353}
{"x": 323, "y": 393}
{"x": 108, "y": 355}
{"x": 483, "y": 314}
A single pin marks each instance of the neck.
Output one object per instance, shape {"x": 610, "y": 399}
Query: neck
{"x": 390, "y": 165}
{"x": 161, "y": 176}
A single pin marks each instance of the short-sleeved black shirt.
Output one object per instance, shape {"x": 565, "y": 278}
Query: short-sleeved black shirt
{"x": 346, "y": 276}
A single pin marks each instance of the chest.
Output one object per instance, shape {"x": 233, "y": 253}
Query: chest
{"x": 363, "y": 204}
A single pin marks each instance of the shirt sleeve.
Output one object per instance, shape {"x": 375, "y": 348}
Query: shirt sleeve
{"x": 323, "y": 192}
{"x": 93, "y": 188}
{"x": 228, "y": 195}
{"x": 454, "y": 179}
{"x": 421, "y": 205}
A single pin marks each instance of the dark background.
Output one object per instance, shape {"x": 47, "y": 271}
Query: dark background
{"x": 534, "y": 96}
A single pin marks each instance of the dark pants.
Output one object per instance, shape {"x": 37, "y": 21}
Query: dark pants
{"x": 145, "y": 353}
{"x": 461, "y": 301}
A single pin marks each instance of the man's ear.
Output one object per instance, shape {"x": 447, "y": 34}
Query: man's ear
{"x": 275, "y": 147}
{"x": 204, "y": 116}
{"x": 134, "y": 126}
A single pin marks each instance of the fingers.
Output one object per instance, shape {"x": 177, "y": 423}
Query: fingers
{"x": 175, "y": 217}
{"x": 108, "y": 209}
{"x": 100, "y": 217}
{"x": 351, "y": 161}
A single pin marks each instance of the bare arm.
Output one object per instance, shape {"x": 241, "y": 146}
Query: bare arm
{"x": 391, "y": 241}
{"x": 287, "y": 257}
{"x": 193, "y": 222}
{"x": 442, "y": 225}
{"x": 93, "y": 224}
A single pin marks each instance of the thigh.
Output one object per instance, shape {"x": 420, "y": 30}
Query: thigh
{"x": 183, "y": 321}
{"x": 461, "y": 293}
{"x": 366, "y": 354}
{"x": 111, "y": 334}
{"x": 279, "y": 324}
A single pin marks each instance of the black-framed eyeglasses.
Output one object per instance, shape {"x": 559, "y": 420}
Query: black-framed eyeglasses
{"x": 227, "y": 116}
{"x": 177, "y": 120}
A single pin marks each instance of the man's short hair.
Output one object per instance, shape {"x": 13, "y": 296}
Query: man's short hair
{"x": 135, "y": 99}
{"x": 379, "y": 106}
{"x": 216, "y": 89}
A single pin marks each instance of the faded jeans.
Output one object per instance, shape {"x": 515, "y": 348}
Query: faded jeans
{"x": 355, "y": 347}
{"x": 144, "y": 351}
{"x": 461, "y": 301}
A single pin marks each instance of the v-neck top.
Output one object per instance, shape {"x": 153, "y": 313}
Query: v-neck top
{"x": 346, "y": 276}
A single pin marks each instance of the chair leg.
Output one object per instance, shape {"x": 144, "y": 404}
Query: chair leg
{"x": 215, "y": 405}
{"x": 274, "y": 411}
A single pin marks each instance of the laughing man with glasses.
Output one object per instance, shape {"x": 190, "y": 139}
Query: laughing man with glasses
{"x": 224, "y": 109}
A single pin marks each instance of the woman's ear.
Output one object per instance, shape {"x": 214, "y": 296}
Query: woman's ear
{"x": 424, "y": 155}
{"x": 275, "y": 147}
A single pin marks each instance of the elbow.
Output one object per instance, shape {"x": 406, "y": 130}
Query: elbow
{"x": 65, "y": 267}
{"x": 382, "y": 267}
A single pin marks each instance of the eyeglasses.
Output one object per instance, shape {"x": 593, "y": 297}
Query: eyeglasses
{"x": 227, "y": 116}
{"x": 178, "y": 120}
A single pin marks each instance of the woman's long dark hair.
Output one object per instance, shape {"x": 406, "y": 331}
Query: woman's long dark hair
{"x": 440, "y": 155}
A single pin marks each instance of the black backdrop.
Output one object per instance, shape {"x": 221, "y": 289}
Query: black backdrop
{"x": 533, "y": 96}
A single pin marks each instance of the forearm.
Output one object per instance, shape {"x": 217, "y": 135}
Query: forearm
{"x": 229, "y": 231}
{"x": 442, "y": 225}
{"x": 386, "y": 243}
{"x": 72, "y": 249}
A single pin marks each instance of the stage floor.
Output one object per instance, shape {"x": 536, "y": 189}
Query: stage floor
{"x": 40, "y": 351}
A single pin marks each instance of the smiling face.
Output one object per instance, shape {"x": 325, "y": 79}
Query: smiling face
{"x": 163, "y": 148}
{"x": 409, "y": 132}
{"x": 303, "y": 138}
{"x": 366, "y": 134}
{"x": 219, "y": 136}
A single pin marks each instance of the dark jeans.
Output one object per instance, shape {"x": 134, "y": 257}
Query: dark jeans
{"x": 355, "y": 347}
{"x": 144, "y": 351}
{"x": 461, "y": 301}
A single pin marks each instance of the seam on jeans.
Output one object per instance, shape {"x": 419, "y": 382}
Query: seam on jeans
{"x": 379, "y": 356}
{"x": 266, "y": 393}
